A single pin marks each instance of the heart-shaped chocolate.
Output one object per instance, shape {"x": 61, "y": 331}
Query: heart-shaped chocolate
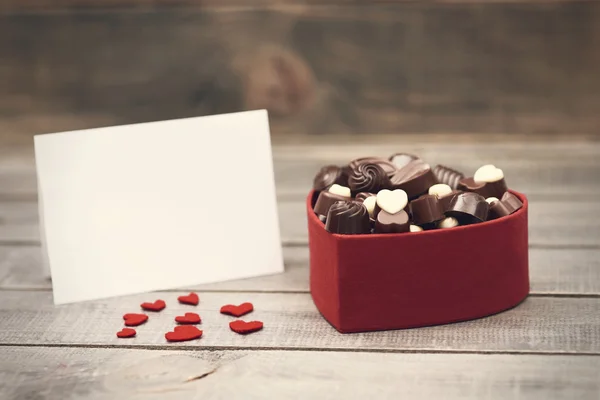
{"x": 135, "y": 319}
{"x": 237, "y": 311}
{"x": 158, "y": 305}
{"x": 488, "y": 173}
{"x": 126, "y": 333}
{"x": 191, "y": 299}
{"x": 392, "y": 201}
{"x": 188, "y": 318}
{"x": 183, "y": 333}
{"x": 244, "y": 327}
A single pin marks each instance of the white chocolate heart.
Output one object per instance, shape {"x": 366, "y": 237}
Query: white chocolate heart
{"x": 415, "y": 228}
{"x": 490, "y": 200}
{"x": 340, "y": 190}
{"x": 392, "y": 201}
{"x": 369, "y": 203}
{"x": 449, "y": 222}
{"x": 440, "y": 189}
{"x": 488, "y": 173}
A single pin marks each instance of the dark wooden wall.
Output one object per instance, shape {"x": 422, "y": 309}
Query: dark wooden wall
{"x": 349, "y": 67}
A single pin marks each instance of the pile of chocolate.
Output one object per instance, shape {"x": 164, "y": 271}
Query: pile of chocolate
{"x": 404, "y": 194}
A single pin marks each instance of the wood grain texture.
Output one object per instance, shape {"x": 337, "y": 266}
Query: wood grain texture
{"x": 52, "y": 373}
{"x": 539, "y": 325}
{"x": 550, "y": 223}
{"x": 556, "y": 272}
{"x": 390, "y": 68}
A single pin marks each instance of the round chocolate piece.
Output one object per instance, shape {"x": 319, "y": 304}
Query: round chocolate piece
{"x": 447, "y": 175}
{"x": 392, "y": 223}
{"x": 468, "y": 208}
{"x": 348, "y": 218}
{"x": 387, "y": 166}
{"x": 415, "y": 178}
{"x": 328, "y": 176}
{"x": 427, "y": 209}
{"x": 508, "y": 204}
{"x": 367, "y": 177}
{"x": 486, "y": 189}
{"x": 360, "y": 197}
{"x": 326, "y": 200}
{"x": 402, "y": 159}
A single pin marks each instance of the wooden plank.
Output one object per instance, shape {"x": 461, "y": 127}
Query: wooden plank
{"x": 552, "y": 272}
{"x": 550, "y": 223}
{"x": 128, "y": 373}
{"x": 538, "y": 325}
{"x": 396, "y": 67}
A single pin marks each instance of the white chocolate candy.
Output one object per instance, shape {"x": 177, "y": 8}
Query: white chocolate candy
{"x": 340, "y": 190}
{"x": 369, "y": 203}
{"x": 488, "y": 173}
{"x": 416, "y": 228}
{"x": 490, "y": 200}
{"x": 449, "y": 222}
{"x": 392, "y": 201}
{"x": 440, "y": 189}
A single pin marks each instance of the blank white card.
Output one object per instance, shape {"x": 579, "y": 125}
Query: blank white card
{"x": 160, "y": 205}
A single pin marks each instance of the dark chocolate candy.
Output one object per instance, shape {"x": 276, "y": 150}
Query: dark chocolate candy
{"x": 328, "y": 175}
{"x": 427, "y": 209}
{"x": 326, "y": 200}
{"x": 360, "y": 197}
{"x": 486, "y": 189}
{"x": 367, "y": 177}
{"x": 402, "y": 159}
{"x": 349, "y": 218}
{"x": 447, "y": 175}
{"x": 392, "y": 223}
{"x": 445, "y": 200}
{"x": 386, "y": 165}
{"x": 468, "y": 208}
{"x": 415, "y": 178}
{"x": 508, "y": 204}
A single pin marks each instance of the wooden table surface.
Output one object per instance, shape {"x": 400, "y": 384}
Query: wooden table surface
{"x": 546, "y": 348}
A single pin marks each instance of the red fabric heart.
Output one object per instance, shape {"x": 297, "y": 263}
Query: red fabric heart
{"x": 244, "y": 327}
{"x": 188, "y": 318}
{"x": 191, "y": 299}
{"x": 156, "y": 306}
{"x": 182, "y": 333}
{"x": 135, "y": 319}
{"x": 126, "y": 333}
{"x": 237, "y": 311}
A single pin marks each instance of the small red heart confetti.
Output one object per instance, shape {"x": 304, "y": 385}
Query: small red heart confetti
{"x": 156, "y": 306}
{"x": 135, "y": 319}
{"x": 183, "y": 333}
{"x": 191, "y": 299}
{"x": 188, "y": 318}
{"x": 126, "y": 333}
{"x": 244, "y": 327}
{"x": 237, "y": 311}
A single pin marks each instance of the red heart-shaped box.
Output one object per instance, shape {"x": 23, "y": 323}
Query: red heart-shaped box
{"x": 392, "y": 281}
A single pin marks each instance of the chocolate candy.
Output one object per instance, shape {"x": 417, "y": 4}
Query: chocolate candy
{"x": 367, "y": 177}
{"x": 415, "y": 178}
{"x": 485, "y": 189}
{"x": 392, "y": 223}
{"x": 386, "y": 165}
{"x": 448, "y": 222}
{"x": 448, "y": 175}
{"x": 325, "y": 201}
{"x": 401, "y": 159}
{"x": 426, "y": 210}
{"x": 392, "y": 201}
{"x": 349, "y": 218}
{"x": 340, "y": 190}
{"x": 505, "y": 206}
{"x": 329, "y": 175}
{"x": 468, "y": 208}
{"x": 415, "y": 228}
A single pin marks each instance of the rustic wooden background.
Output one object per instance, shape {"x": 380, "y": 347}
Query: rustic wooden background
{"x": 336, "y": 66}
